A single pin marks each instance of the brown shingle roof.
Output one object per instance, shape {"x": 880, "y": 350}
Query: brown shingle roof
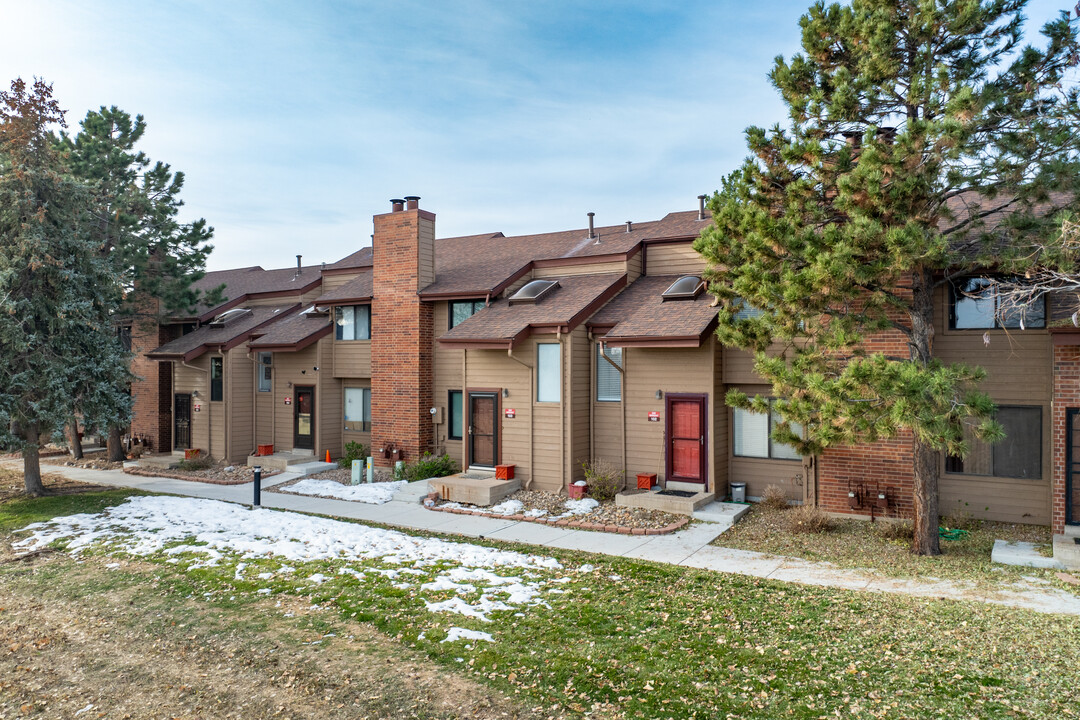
{"x": 359, "y": 259}
{"x": 190, "y": 346}
{"x": 359, "y": 288}
{"x": 244, "y": 282}
{"x": 502, "y": 324}
{"x": 295, "y": 332}
{"x": 640, "y": 315}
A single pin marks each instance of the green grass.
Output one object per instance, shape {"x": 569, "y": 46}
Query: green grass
{"x": 22, "y": 510}
{"x": 860, "y": 544}
{"x": 634, "y": 639}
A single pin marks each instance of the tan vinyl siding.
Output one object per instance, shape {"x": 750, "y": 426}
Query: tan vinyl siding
{"x": 493, "y": 370}
{"x": 633, "y": 267}
{"x": 332, "y": 282}
{"x": 671, "y": 370}
{"x": 349, "y": 358}
{"x": 719, "y": 442}
{"x": 577, "y": 383}
{"x": 425, "y": 261}
{"x": 1018, "y": 366}
{"x": 673, "y": 259}
{"x": 265, "y": 405}
{"x": 287, "y": 368}
{"x": 447, "y": 377}
{"x": 331, "y": 412}
{"x": 617, "y": 266}
{"x": 187, "y": 380}
{"x": 239, "y": 387}
{"x": 760, "y": 473}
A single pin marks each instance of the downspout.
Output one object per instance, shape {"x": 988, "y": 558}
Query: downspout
{"x": 532, "y": 414}
{"x": 622, "y": 398}
{"x": 592, "y": 403}
{"x": 225, "y": 391}
{"x": 562, "y": 407}
{"x": 209, "y": 413}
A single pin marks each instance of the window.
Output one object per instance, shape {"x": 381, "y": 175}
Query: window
{"x": 608, "y": 379}
{"x": 217, "y": 373}
{"x": 462, "y": 310}
{"x": 358, "y": 409}
{"x": 264, "y": 367}
{"x": 532, "y": 292}
{"x": 352, "y": 322}
{"x": 548, "y": 372}
{"x": 747, "y": 311}
{"x": 753, "y": 436}
{"x": 687, "y": 287}
{"x": 1017, "y": 455}
{"x": 454, "y": 422}
{"x": 984, "y": 311}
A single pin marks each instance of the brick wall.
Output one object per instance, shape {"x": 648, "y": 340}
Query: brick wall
{"x": 882, "y": 466}
{"x": 1066, "y": 396}
{"x": 152, "y": 387}
{"x": 403, "y": 335}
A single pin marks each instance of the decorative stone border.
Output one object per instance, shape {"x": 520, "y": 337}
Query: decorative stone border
{"x": 430, "y": 499}
{"x": 143, "y": 472}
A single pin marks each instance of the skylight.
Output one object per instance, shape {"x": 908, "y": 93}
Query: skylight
{"x": 687, "y": 287}
{"x": 533, "y": 291}
{"x": 228, "y": 316}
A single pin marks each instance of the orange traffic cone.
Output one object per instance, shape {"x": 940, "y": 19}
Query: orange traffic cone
{"x": 327, "y": 456}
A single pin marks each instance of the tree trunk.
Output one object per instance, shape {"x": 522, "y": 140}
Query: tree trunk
{"x": 925, "y": 541}
{"x": 31, "y": 465}
{"x": 74, "y": 443}
{"x": 925, "y": 458}
{"x": 114, "y": 445}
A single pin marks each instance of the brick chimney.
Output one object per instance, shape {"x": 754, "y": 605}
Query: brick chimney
{"x": 403, "y": 332}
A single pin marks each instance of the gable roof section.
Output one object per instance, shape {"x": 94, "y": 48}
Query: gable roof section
{"x": 358, "y": 289}
{"x": 195, "y": 343}
{"x": 293, "y": 333}
{"x": 640, "y": 317}
{"x": 502, "y": 325}
{"x": 359, "y": 259}
{"x": 242, "y": 283}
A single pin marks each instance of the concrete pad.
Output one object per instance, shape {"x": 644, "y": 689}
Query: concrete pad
{"x": 599, "y": 542}
{"x": 1024, "y": 554}
{"x": 531, "y": 533}
{"x": 808, "y": 573}
{"x": 653, "y": 500}
{"x": 721, "y": 512}
{"x": 471, "y": 525}
{"x": 740, "y": 562}
{"x": 472, "y": 490}
{"x": 1067, "y": 551}
{"x": 413, "y": 492}
{"x": 677, "y": 546}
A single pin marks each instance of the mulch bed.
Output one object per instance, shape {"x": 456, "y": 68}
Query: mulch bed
{"x": 216, "y": 475}
{"x": 608, "y": 517}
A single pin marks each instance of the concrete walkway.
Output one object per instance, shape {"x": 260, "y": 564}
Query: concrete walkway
{"x": 688, "y": 547}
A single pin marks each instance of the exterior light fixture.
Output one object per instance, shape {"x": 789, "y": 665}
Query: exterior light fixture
{"x": 506, "y": 392}
{"x": 659, "y": 394}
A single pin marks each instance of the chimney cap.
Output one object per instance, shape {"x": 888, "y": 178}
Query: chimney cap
{"x": 412, "y": 197}
{"x": 397, "y": 201}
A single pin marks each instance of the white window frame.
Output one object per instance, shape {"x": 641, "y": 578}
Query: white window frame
{"x": 604, "y": 369}
{"x": 773, "y": 451}
{"x": 264, "y": 371}
{"x": 548, "y": 389}
{"x": 344, "y": 327}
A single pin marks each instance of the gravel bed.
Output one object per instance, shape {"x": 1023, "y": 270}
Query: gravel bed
{"x": 606, "y": 514}
{"x": 95, "y": 461}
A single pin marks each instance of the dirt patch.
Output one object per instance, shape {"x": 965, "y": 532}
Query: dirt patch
{"x": 12, "y": 486}
{"x": 543, "y": 506}
{"x": 220, "y": 473}
{"x": 82, "y": 639}
{"x": 89, "y": 461}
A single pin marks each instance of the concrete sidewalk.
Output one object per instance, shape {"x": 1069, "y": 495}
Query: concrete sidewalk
{"x": 688, "y": 547}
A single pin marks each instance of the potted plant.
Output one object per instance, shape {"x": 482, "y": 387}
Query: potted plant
{"x": 578, "y": 490}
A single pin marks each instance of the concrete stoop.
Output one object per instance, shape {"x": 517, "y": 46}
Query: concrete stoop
{"x": 310, "y": 468}
{"x": 653, "y": 500}
{"x": 159, "y": 462}
{"x": 473, "y": 488}
{"x": 1024, "y": 554}
{"x": 1067, "y": 549}
{"x": 283, "y": 460}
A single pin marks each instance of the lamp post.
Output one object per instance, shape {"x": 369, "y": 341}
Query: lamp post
{"x": 258, "y": 485}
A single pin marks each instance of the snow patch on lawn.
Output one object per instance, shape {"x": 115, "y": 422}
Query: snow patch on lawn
{"x": 457, "y": 633}
{"x": 372, "y": 494}
{"x": 507, "y": 507}
{"x": 213, "y": 531}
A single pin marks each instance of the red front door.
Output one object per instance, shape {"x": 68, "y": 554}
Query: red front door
{"x": 687, "y": 447}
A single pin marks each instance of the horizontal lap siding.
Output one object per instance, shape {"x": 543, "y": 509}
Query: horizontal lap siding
{"x": 607, "y": 419}
{"x": 587, "y": 269}
{"x": 188, "y": 380}
{"x": 240, "y": 384}
{"x": 633, "y": 268}
{"x": 719, "y": 440}
{"x": 760, "y": 473}
{"x": 578, "y": 381}
{"x": 287, "y": 368}
{"x": 447, "y": 365}
{"x": 331, "y": 411}
{"x": 332, "y": 282}
{"x": 672, "y": 370}
{"x": 493, "y": 370}
{"x": 350, "y": 358}
{"x": 1019, "y": 371}
{"x": 673, "y": 259}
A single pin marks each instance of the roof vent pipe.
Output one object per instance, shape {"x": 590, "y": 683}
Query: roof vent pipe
{"x": 412, "y": 202}
{"x": 397, "y": 205}
{"x": 592, "y": 235}
{"x": 629, "y": 226}
{"x": 701, "y": 207}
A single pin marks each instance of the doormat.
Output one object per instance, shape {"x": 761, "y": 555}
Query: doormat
{"x": 677, "y": 493}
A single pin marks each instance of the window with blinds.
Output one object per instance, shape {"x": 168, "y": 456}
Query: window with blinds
{"x": 752, "y": 436}
{"x": 608, "y": 378}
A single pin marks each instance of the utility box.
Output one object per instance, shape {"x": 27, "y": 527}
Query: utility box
{"x": 738, "y": 492}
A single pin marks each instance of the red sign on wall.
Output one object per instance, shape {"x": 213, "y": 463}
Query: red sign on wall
{"x": 510, "y": 412}
{"x": 197, "y": 407}
{"x": 654, "y": 416}
{"x": 288, "y": 401}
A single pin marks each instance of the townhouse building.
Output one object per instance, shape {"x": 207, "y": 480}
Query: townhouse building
{"x": 549, "y": 350}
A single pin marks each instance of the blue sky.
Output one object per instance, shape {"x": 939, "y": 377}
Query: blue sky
{"x": 295, "y": 122}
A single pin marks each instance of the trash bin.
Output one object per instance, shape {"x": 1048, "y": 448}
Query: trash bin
{"x": 738, "y": 492}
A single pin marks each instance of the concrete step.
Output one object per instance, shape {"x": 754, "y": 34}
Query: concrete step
{"x": 1072, "y": 531}
{"x": 721, "y": 512}
{"x": 311, "y": 468}
{"x": 159, "y": 462}
{"x": 282, "y": 460}
{"x": 1067, "y": 551}
{"x": 653, "y": 500}
{"x": 1024, "y": 554}
{"x": 473, "y": 488}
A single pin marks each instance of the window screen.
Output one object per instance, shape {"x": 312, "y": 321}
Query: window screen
{"x": 454, "y": 422}
{"x": 1017, "y": 455}
{"x": 548, "y": 372}
{"x": 608, "y": 379}
{"x": 358, "y": 409}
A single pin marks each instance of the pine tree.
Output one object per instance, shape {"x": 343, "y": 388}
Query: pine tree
{"x": 56, "y": 330}
{"x": 912, "y": 127}
{"x": 135, "y": 205}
